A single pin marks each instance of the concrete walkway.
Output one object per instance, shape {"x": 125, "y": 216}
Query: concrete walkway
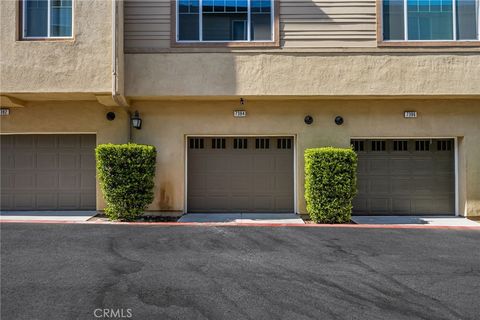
{"x": 69, "y": 216}
{"x": 418, "y": 220}
{"x": 246, "y": 218}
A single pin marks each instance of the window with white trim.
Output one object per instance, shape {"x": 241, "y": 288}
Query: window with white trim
{"x": 225, "y": 20}
{"x": 47, "y": 19}
{"x": 431, "y": 20}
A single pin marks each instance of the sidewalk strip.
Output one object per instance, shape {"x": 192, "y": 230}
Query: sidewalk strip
{"x": 230, "y": 224}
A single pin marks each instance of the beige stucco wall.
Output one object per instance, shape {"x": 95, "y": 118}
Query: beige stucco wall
{"x": 69, "y": 117}
{"x": 304, "y": 74}
{"x": 83, "y": 64}
{"x": 166, "y": 123}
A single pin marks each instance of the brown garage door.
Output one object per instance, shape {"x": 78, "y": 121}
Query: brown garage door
{"x": 405, "y": 177}
{"x": 48, "y": 172}
{"x": 240, "y": 174}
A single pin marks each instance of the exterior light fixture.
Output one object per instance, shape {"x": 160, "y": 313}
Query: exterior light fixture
{"x": 111, "y": 116}
{"x": 339, "y": 120}
{"x": 242, "y": 102}
{"x": 308, "y": 120}
{"x": 136, "y": 121}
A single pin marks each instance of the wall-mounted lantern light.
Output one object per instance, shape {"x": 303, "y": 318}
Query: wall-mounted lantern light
{"x": 339, "y": 120}
{"x": 136, "y": 121}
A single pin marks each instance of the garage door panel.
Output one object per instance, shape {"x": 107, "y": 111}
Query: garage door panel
{"x": 68, "y": 161}
{"x": 362, "y": 167}
{"x": 283, "y": 203}
{"x": 422, "y": 166}
{"x": 240, "y": 162}
{"x": 379, "y": 185}
{"x": 7, "y": 181}
{"x": 8, "y": 142}
{"x": 68, "y": 201}
{"x": 362, "y": 185}
{"x": 283, "y": 163}
{"x": 419, "y": 179}
{"x": 263, "y": 203}
{"x": 360, "y": 204}
{"x": 46, "y": 160}
{"x": 45, "y": 200}
{"x": 216, "y": 183}
{"x": 87, "y": 181}
{"x": 24, "y": 141}
{"x": 400, "y": 185}
{"x": 24, "y": 201}
{"x": 263, "y": 182}
{"x": 87, "y": 200}
{"x": 7, "y": 200}
{"x": 442, "y": 166}
{"x": 49, "y": 172}
{"x": 238, "y": 202}
{"x": 219, "y": 163}
{"x": 283, "y": 183}
{"x": 47, "y": 141}
{"x": 87, "y": 161}
{"x": 401, "y": 205}
{"x": 379, "y": 205}
{"x": 250, "y": 177}
{"x": 400, "y": 166}
{"x": 24, "y": 181}
{"x": 239, "y": 182}
{"x": 47, "y": 181}
{"x": 69, "y": 141}
{"x": 423, "y": 185}
{"x": 69, "y": 180}
{"x": 378, "y": 166}
{"x": 25, "y": 160}
{"x": 87, "y": 141}
{"x": 8, "y": 160}
{"x": 197, "y": 184}
{"x": 263, "y": 163}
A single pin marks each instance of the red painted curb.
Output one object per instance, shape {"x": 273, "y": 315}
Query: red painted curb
{"x": 230, "y": 224}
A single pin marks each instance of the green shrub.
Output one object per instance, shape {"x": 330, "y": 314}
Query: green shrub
{"x": 330, "y": 184}
{"x": 126, "y": 173}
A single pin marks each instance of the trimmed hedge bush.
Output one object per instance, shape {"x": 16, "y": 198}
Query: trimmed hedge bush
{"x": 126, "y": 173}
{"x": 330, "y": 184}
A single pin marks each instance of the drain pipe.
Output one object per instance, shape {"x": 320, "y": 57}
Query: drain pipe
{"x": 117, "y": 97}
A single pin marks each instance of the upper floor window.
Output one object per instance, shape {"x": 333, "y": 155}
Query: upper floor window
{"x": 225, "y": 20}
{"x": 431, "y": 20}
{"x": 47, "y": 19}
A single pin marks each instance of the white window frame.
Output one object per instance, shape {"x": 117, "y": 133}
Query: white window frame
{"x": 24, "y": 23}
{"x": 249, "y": 18}
{"x": 454, "y": 22}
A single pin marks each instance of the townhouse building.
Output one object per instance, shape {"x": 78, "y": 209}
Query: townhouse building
{"x": 231, "y": 93}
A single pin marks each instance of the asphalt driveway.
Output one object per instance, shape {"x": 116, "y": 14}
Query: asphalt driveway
{"x": 57, "y": 271}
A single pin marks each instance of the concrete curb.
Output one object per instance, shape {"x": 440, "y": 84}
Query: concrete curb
{"x": 230, "y": 224}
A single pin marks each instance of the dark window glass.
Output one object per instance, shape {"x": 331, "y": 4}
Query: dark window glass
{"x": 430, "y": 19}
{"x": 36, "y": 18}
{"x": 467, "y": 19}
{"x": 261, "y": 24}
{"x": 188, "y": 19}
{"x": 223, "y": 24}
{"x": 225, "y": 20}
{"x": 358, "y": 145}
{"x": 61, "y": 18}
{"x": 393, "y": 20}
